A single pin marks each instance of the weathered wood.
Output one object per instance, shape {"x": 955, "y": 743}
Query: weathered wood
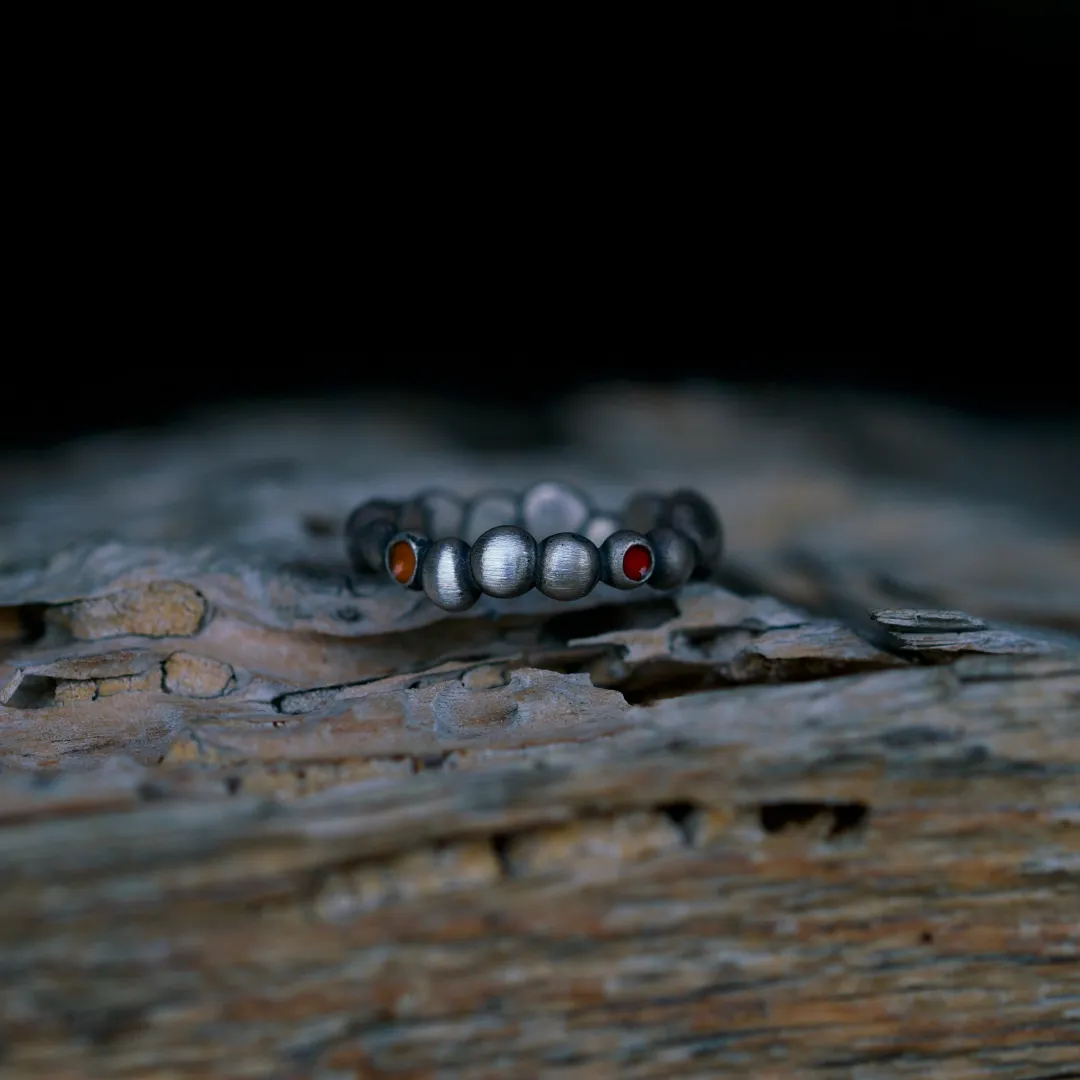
{"x": 262, "y": 818}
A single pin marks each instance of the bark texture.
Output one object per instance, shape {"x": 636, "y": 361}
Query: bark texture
{"x": 260, "y": 817}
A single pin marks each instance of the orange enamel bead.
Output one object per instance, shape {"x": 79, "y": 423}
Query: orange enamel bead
{"x": 402, "y": 562}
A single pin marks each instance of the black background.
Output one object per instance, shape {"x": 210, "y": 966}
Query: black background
{"x": 959, "y": 30}
{"x": 513, "y": 392}
{"x": 973, "y": 368}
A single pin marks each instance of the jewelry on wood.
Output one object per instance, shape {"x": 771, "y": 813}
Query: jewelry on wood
{"x": 550, "y": 537}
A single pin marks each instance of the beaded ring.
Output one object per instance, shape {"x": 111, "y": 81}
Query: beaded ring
{"x": 549, "y": 538}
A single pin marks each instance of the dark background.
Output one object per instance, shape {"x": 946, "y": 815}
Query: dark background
{"x": 512, "y": 393}
{"x": 973, "y": 367}
{"x": 959, "y": 30}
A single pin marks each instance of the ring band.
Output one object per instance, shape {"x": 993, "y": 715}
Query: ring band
{"x": 549, "y": 538}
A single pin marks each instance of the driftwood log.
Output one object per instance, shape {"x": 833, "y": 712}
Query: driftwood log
{"x": 260, "y": 817}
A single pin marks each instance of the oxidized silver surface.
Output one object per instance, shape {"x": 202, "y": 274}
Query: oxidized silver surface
{"x": 601, "y": 525}
{"x": 443, "y": 513}
{"x": 567, "y": 566}
{"x": 688, "y": 512}
{"x": 489, "y": 510}
{"x": 680, "y": 532}
{"x": 674, "y": 558}
{"x": 503, "y": 561}
{"x": 644, "y": 511}
{"x": 447, "y": 577}
{"x": 412, "y": 517}
{"x": 419, "y": 545}
{"x": 548, "y": 508}
{"x": 367, "y": 529}
{"x": 613, "y": 551}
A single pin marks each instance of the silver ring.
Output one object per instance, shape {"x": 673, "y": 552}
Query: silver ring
{"x": 550, "y": 538}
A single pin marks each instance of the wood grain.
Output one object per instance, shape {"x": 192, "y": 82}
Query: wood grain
{"x": 262, "y": 818}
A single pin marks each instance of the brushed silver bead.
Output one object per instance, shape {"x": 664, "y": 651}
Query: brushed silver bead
{"x": 367, "y": 530}
{"x": 503, "y": 561}
{"x": 613, "y": 553}
{"x": 567, "y": 566}
{"x": 419, "y": 545}
{"x": 675, "y": 557}
{"x": 447, "y": 578}
{"x": 548, "y": 508}
{"x": 601, "y": 525}
{"x": 489, "y": 510}
{"x": 692, "y": 514}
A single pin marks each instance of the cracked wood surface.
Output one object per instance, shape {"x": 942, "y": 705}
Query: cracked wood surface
{"x": 262, "y": 818}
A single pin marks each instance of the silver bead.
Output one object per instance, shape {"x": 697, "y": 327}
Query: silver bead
{"x": 691, "y": 514}
{"x": 613, "y": 554}
{"x": 447, "y": 579}
{"x": 443, "y": 512}
{"x": 418, "y": 545}
{"x": 644, "y": 512}
{"x": 675, "y": 557}
{"x": 412, "y": 517}
{"x": 601, "y": 525}
{"x": 567, "y": 566}
{"x": 367, "y": 530}
{"x": 548, "y": 508}
{"x": 503, "y": 561}
{"x": 489, "y": 510}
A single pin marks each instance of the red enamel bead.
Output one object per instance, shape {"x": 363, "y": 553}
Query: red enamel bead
{"x": 636, "y": 562}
